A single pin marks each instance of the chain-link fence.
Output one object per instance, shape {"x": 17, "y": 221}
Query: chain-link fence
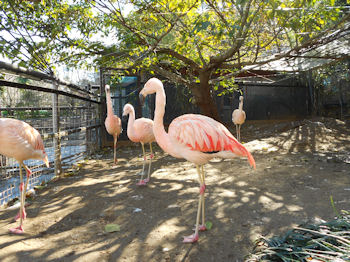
{"x": 66, "y": 116}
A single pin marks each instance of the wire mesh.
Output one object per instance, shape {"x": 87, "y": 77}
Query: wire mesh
{"x": 77, "y": 136}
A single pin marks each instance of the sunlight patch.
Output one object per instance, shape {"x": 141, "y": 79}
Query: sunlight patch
{"x": 294, "y": 208}
{"x": 166, "y": 229}
{"x": 269, "y": 204}
{"x": 228, "y": 193}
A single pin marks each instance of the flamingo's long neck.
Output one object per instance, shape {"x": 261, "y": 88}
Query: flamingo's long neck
{"x": 240, "y": 107}
{"x": 158, "y": 126}
{"x": 109, "y": 103}
{"x": 131, "y": 122}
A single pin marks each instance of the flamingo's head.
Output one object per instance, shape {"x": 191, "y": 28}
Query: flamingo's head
{"x": 241, "y": 98}
{"x": 45, "y": 159}
{"x": 127, "y": 109}
{"x": 107, "y": 88}
{"x": 151, "y": 87}
{"x": 39, "y": 148}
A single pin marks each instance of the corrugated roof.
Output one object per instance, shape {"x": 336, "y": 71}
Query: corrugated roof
{"x": 336, "y": 49}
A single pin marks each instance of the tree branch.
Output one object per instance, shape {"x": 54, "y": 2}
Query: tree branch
{"x": 216, "y": 60}
{"x": 306, "y": 47}
{"x": 179, "y": 56}
{"x": 170, "y": 75}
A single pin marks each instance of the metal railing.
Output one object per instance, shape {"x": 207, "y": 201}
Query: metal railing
{"x": 66, "y": 116}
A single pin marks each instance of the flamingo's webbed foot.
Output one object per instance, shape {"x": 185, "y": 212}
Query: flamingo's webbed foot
{"x": 200, "y": 228}
{"x": 18, "y": 216}
{"x": 18, "y": 230}
{"x": 142, "y": 183}
{"x": 191, "y": 239}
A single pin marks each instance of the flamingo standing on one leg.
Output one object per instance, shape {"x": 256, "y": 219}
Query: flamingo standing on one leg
{"x": 196, "y": 138}
{"x": 140, "y": 130}
{"x": 22, "y": 142}
{"x": 113, "y": 123}
{"x": 238, "y": 118}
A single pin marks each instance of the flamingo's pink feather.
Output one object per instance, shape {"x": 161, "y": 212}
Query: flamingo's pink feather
{"x": 20, "y": 140}
{"x": 201, "y": 133}
{"x": 142, "y": 131}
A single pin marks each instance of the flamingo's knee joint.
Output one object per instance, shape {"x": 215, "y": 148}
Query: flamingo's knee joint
{"x": 21, "y": 187}
{"x": 202, "y": 189}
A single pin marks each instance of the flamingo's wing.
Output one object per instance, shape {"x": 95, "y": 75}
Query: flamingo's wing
{"x": 18, "y": 139}
{"x": 201, "y": 133}
{"x": 143, "y": 127}
{"x": 22, "y": 133}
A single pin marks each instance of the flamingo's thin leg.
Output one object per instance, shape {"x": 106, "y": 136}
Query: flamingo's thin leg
{"x": 203, "y": 227}
{"x": 142, "y": 182}
{"x": 24, "y": 214}
{"x": 150, "y": 163}
{"x": 193, "y": 238}
{"x": 239, "y": 133}
{"x": 19, "y": 230}
{"x": 28, "y": 173}
{"x": 115, "y": 150}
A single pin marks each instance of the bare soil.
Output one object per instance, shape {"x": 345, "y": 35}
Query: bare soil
{"x": 300, "y": 164}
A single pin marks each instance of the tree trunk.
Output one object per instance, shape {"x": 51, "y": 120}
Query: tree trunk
{"x": 203, "y": 97}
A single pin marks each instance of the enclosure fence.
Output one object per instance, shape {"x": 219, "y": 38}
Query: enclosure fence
{"x": 66, "y": 116}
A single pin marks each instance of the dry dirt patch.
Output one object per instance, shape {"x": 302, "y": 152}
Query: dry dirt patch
{"x": 300, "y": 164}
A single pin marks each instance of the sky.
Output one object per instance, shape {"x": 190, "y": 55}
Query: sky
{"x": 73, "y": 75}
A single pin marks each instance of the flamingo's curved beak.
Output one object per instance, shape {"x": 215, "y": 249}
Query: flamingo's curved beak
{"x": 46, "y": 161}
{"x": 124, "y": 118}
{"x": 142, "y": 99}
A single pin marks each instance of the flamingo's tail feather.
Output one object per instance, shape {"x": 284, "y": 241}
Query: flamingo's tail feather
{"x": 251, "y": 160}
{"x": 240, "y": 150}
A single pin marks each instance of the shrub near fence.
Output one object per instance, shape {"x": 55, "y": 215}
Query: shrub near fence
{"x": 67, "y": 117}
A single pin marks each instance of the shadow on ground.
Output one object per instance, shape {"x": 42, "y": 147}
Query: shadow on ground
{"x": 291, "y": 184}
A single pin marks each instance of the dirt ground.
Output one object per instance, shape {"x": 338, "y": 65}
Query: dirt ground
{"x": 300, "y": 164}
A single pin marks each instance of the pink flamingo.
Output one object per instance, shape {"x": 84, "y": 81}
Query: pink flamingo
{"x": 140, "y": 130}
{"x": 113, "y": 123}
{"x": 238, "y": 118}
{"x": 196, "y": 138}
{"x": 22, "y": 142}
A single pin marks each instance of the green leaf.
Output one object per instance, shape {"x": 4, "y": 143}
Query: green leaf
{"x": 112, "y": 228}
{"x": 39, "y": 187}
{"x": 208, "y": 225}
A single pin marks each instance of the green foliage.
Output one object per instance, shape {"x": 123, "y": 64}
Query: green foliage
{"x": 112, "y": 228}
{"x": 188, "y": 42}
{"x": 193, "y": 29}
{"x": 39, "y": 34}
{"x": 208, "y": 225}
{"x": 329, "y": 241}
{"x": 27, "y": 114}
{"x": 326, "y": 77}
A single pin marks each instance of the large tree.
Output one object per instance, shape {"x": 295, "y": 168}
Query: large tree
{"x": 202, "y": 45}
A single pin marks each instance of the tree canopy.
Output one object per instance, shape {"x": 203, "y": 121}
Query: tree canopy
{"x": 201, "y": 45}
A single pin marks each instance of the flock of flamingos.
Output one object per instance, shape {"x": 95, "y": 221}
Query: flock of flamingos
{"x": 194, "y": 137}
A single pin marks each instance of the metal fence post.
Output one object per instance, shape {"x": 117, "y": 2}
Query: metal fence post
{"x": 103, "y": 110}
{"x": 55, "y": 129}
{"x": 88, "y": 116}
